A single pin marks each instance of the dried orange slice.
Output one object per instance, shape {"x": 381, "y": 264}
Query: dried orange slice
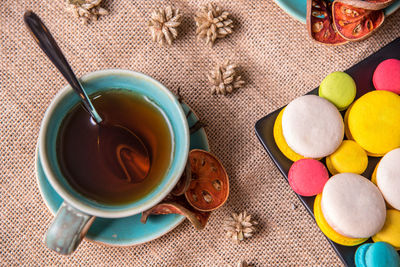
{"x": 197, "y": 218}
{"x": 183, "y": 184}
{"x": 355, "y": 24}
{"x": 209, "y": 188}
{"x": 368, "y": 4}
{"x": 320, "y": 24}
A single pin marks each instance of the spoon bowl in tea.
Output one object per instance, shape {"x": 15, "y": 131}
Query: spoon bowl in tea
{"x": 128, "y": 156}
{"x": 121, "y": 146}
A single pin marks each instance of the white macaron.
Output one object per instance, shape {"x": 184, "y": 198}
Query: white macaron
{"x": 388, "y": 177}
{"x": 312, "y": 126}
{"x": 353, "y": 206}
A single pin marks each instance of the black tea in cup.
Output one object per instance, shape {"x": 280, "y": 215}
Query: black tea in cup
{"x": 94, "y": 172}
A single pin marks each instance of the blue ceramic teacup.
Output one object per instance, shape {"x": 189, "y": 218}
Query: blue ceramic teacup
{"x": 75, "y": 216}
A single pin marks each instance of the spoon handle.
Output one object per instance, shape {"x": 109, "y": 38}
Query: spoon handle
{"x": 49, "y": 46}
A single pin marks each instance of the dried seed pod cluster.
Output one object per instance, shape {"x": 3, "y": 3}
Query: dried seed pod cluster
{"x": 344, "y": 20}
{"x": 242, "y": 263}
{"x": 205, "y": 185}
{"x": 85, "y": 10}
{"x": 240, "y": 226}
{"x": 224, "y": 78}
{"x": 212, "y": 23}
{"x": 164, "y": 23}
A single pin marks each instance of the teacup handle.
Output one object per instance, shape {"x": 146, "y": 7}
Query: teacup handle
{"x": 67, "y": 229}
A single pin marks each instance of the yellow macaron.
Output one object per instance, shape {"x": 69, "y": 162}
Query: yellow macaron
{"x": 346, "y": 123}
{"x": 349, "y": 157}
{"x": 390, "y": 232}
{"x": 328, "y": 231}
{"x": 373, "y": 122}
{"x": 348, "y": 133}
{"x": 281, "y": 142}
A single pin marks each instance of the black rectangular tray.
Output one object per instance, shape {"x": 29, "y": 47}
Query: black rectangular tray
{"x": 362, "y": 75}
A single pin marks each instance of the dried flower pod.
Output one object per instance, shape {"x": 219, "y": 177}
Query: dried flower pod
{"x": 239, "y": 226}
{"x": 163, "y": 25}
{"x": 368, "y": 4}
{"x": 197, "y": 218}
{"x": 242, "y": 263}
{"x": 85, "y": 10}
{"x": 355, "y": 24}
{"x": 209, "y": 188}
{"x": 224, "y": 78}
{"x": 212, "y": 23}
{"x": 320, "y": 23}
{"x": 183, "y": 184}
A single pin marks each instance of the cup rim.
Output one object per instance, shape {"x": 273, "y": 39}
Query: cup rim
{"x": 75, "y": 202}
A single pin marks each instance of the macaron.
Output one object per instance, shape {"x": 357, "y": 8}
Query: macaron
{"x": 281, "y": 142}
{"x": 349, "y": 157}
{"x": 373, "y": 122}
{"x": 353, "y": 206}
{"x": 307, "y": 177}
{"x": 328, "y": 231}
{"x": 339, "y": 88}
{"x": 359, "y": 256}
{"x": 312, "y": 126}
{"x": 387, "y": 76}
{"x": 347, "y": 132}
{"x": 346, "y": 123}
{"x": 390, "y": 232}
{"x": 379, "y": 254}
{"x": 373, "y": 180}
{"x": 388, "y": 177}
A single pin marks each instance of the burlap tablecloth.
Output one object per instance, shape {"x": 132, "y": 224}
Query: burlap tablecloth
{"x": 278, "y": 61}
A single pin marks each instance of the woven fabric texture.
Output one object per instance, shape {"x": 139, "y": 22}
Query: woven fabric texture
{"x": 277, "y": 60}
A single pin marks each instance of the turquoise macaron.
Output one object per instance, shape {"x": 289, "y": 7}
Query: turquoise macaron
{"x": 377, "y": 255}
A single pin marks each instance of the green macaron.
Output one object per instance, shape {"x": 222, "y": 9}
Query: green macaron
{"x": 339, "y": 88}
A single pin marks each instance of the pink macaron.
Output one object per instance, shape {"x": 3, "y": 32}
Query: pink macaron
{"x": 307, "y": 177}
{"x": 387, "y": 76}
